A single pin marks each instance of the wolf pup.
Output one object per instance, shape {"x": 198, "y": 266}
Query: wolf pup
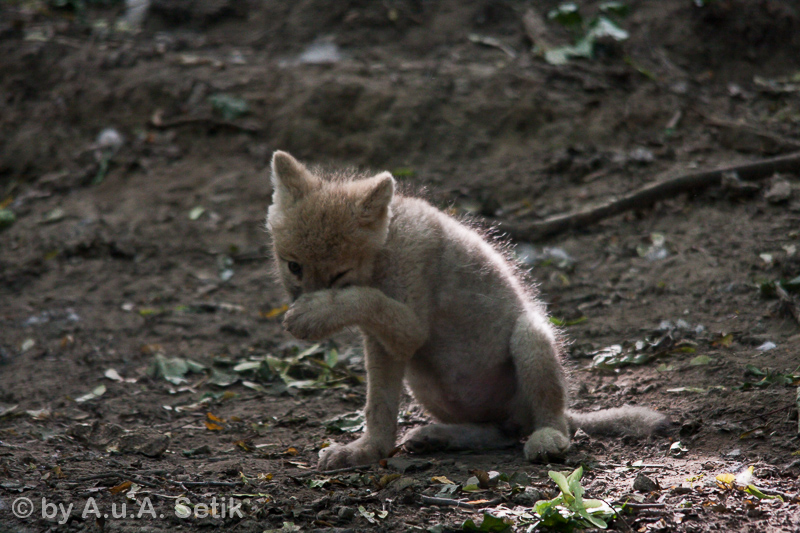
{"x": 438, "y": 306}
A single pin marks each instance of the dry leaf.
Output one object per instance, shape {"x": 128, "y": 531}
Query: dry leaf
{"x": 276, "y": 312}
{"x": 726, "y": 480}
{"x": 243, "y": 445}
{"x": 122, "y": 487}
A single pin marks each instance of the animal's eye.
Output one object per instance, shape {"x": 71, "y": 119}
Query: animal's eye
{"x": 339, "y": 276}
{"x": 295, "y": 268}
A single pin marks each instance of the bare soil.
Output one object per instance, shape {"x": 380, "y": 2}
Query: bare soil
{"x": 111, "y": 264}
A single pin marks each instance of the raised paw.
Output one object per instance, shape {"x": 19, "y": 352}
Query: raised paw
{"x": 356, "y": 453}
{"x": 309, "y": 317}
{"x": 545, "y": 444}
{"x": 426, "y": 439}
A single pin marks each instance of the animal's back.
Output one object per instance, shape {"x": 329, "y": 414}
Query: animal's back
{"x": 464, "y": 372}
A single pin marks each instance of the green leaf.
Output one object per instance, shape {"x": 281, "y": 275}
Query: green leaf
{"x": 561, "y": 481}
{"x": 403, "y": 172}
{"x": 318, "y": 483}
{"x": 560, "y": 322}
{"x": 562, "y": 54}
{"x": 490, "y": 523}
{"x": 247, "y": 366}
{"x": 331, "y": 357}
{"x": 194, "y": 367}
{"x": 752, "y": 489}
{"x": 196, "y": 212}
{"x": 620, "y": 9}
{"x": 7, "y": 218}
{"x": 347, "y": 423}
{"x": 308, "y": 351}
{"x": 96, "y": 393}
{"x": 575, "y": 476}
{"x": 230, "y": 107}
{"x": 519, "y": 479}
{"x": 472, "y": 484}
{"x": 221, "y": 378}
{"x": 754, "y": 370}
{"x": 170, "y": 368}
{"x": 566, "y": 14}
{"x": 701, "y": 360}
{"x": 603, "y": 27}
{"x": 792, "y": 285}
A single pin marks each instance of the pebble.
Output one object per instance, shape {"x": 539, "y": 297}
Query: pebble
{"x": 527, "y": 498}
{"x": 644, "y": 484}
{"x": 346, "y": 513}
{"x": 779, "y": 192}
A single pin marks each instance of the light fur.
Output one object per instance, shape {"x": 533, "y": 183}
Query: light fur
{"x": 438, "y": 307}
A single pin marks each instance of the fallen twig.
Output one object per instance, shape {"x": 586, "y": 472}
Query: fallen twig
{"x": 448, "y": 502}
{"x": 642, "y": 466}
{"x": 776, "y": 138}
{"x": 627, "y": 526}
{"x": 329, "y": 472}
{"x": 643, "y": 506}
{"x": 207, "y": 483}
{"x": 648, "y": 195}
{"x": 494, "y": 43}
{"x": 762, "y": 415}
{"x": 788, "y": 302}
{"x": 99, "y": 476}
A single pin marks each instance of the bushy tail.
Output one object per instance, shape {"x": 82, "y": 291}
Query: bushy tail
{"x": 626, "y": 420}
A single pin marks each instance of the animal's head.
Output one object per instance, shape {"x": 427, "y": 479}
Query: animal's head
{"x": 326, "y": 232}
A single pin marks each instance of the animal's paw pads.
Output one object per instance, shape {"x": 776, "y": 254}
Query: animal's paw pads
{"x": 354, "y": 454}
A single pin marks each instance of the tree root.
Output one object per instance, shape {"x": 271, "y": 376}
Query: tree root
{"x": 647, "y": 196}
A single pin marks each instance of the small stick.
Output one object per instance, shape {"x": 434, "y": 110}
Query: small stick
{"x": 730, "y": 124}
{"x": 616, "y": 513}
{"x": 99, "y": 476}
{"x": 140, "y": 481}
{"x": 207, "y": 483}
{"x": 432, "y": 500}
{"x": 648, "y": 195}
{"x": 494, "y": 43}
{"x": 642, "y": 506}
{"x": 616, "y": 465}
{"x": 776, "y": 410}
{"x": 329, "y": 472}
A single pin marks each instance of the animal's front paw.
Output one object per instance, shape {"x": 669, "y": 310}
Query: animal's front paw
{"x": 426, "y": 439}
{"x": 309, "y": 317}
{"x": 356, "y": 453}
{"x": 545, "y": 444}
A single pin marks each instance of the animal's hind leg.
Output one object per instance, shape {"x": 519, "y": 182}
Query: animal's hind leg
{"x": 541, "y": 399}
{"x": 435, "y": 437}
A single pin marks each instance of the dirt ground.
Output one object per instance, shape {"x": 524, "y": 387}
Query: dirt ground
{"x": 139, "y": 187}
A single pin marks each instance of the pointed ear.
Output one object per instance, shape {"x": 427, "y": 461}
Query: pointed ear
{"x": 374, "y": 204}
{"x": 291, "y": 181}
